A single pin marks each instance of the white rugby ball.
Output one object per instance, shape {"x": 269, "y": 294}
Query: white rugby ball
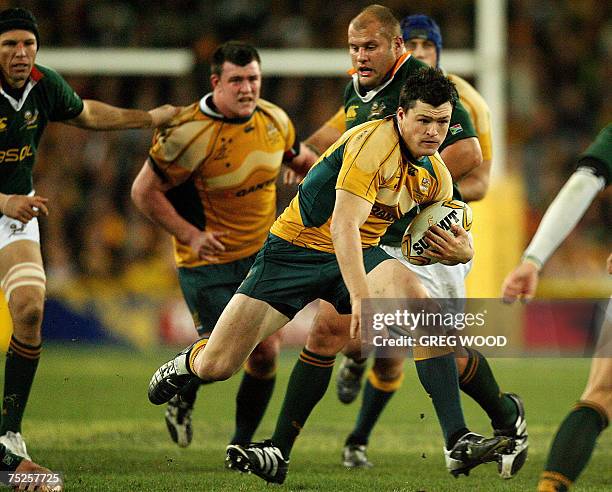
{"x": 442, "y": 214}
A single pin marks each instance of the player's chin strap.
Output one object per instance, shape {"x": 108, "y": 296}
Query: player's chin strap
{"x": 564, "y": 213}
{"x": 22, "y": 274}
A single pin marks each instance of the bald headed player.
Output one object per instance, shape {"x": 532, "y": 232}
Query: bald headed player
{"x": 422, "y": 37}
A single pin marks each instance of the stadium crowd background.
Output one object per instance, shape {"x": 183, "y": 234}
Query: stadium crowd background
{"x": 559, "y": 57}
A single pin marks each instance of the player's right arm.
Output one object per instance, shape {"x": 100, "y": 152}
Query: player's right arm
{"x": 462, "y": 157}
{"x": 149, "y": 196}
{"x": 331, "y": 131}
{"x": 350, "y": 213}
{"x": 97, "y": 115}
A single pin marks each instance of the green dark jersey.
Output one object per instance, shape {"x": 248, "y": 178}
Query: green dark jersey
{"x": 599, "y": 154}
{"x": 382, "y": 101}
{"x": 47, "y": 97}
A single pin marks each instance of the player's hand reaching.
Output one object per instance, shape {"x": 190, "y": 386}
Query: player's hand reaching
{"x": 521, "y": 283}
{"x": 162, "y": 115}
{"x": 450, "y": 249}
{"x": 208, "y": 245}
{"x": 609, "y": 264}
{"x": 22, "y": 207}
{"x": 291, "y": 177}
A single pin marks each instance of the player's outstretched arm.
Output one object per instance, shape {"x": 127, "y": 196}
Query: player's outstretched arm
{"x": 560, "y": 218}
{"x": 97, "y": 115}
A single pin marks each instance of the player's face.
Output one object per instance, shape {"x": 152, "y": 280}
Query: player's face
{"x": 423, "y": 127}
{"x": 17, "y": 55}
{"x": 236, "y": 90}
{"x": 373, "y": 54}
{"x": 423, "y": 49}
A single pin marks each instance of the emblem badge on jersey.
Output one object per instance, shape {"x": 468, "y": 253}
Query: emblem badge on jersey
{"x": 3, "y": 124}
{"x": 249, "y": 128}
{"x": 30, "y": 120}
{"x": 456, "y": 129}
{"x": 377, "y": 111}
{"x": 273, "y": 133}
{"x": 351, "y": 112}
{"x": 425, "y": 184}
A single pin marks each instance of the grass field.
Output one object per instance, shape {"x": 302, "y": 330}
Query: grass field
{"x": 89, "y": 418}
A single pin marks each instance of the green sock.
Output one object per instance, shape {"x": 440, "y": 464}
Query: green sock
{"x": 574, "y": 443}
{"x": 478, "y": 381}
{"x": 307, "y": 385}
{"x": 21, "y": 363}
{"x": 251, "y": 403}
{"x": 373, "y": 403}
{"x": 439, "y": 378}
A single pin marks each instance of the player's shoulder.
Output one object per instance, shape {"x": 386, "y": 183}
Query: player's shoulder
{"x": 46, "y": 75}
{"x": 190, "y": 123}
{"x": 376, "y": 137}
{"x": 273, "y": 111}
{"x": 467, "y": 92}
{"x": 408, "y": 64}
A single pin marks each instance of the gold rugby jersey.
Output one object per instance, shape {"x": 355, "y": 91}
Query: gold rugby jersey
{"x": 371, "y": 161}
{"x": 479, "y": 112}
{"x": 223, "y": 173}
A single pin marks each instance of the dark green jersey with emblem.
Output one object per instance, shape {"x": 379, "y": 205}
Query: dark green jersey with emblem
{"x": 47, "y": 97}
{"x": 599, "y": 154}
{"x": 382, "y": 101}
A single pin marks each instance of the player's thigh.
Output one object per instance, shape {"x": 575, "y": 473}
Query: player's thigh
{"x": 599, "y": 385}
{"x": 390, "y": 279}
{"x": 441, "y": 281}
{"x": 245, "y": 321}
{"x": 22, "y": 279}
{"x": 23, "y": 251}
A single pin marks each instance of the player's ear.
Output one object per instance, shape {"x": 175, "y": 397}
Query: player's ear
{"x": 214, "y": 80}
{"x": 398, "y": 45}
{"x": 401, "y": 114}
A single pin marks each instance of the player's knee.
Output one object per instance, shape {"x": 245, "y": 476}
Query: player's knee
{"x": 214, "y": 370}
{"x": 262, "y": 361}
{"x": 326, "y": 339}
{"x": 461, "y": 363}
{"x": 26, "y": 305}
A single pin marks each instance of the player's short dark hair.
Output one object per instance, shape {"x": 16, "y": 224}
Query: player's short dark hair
{"x": 16, "y": 18}
{"x": 236, "y": 52}
{"x": 430, "y": 86}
